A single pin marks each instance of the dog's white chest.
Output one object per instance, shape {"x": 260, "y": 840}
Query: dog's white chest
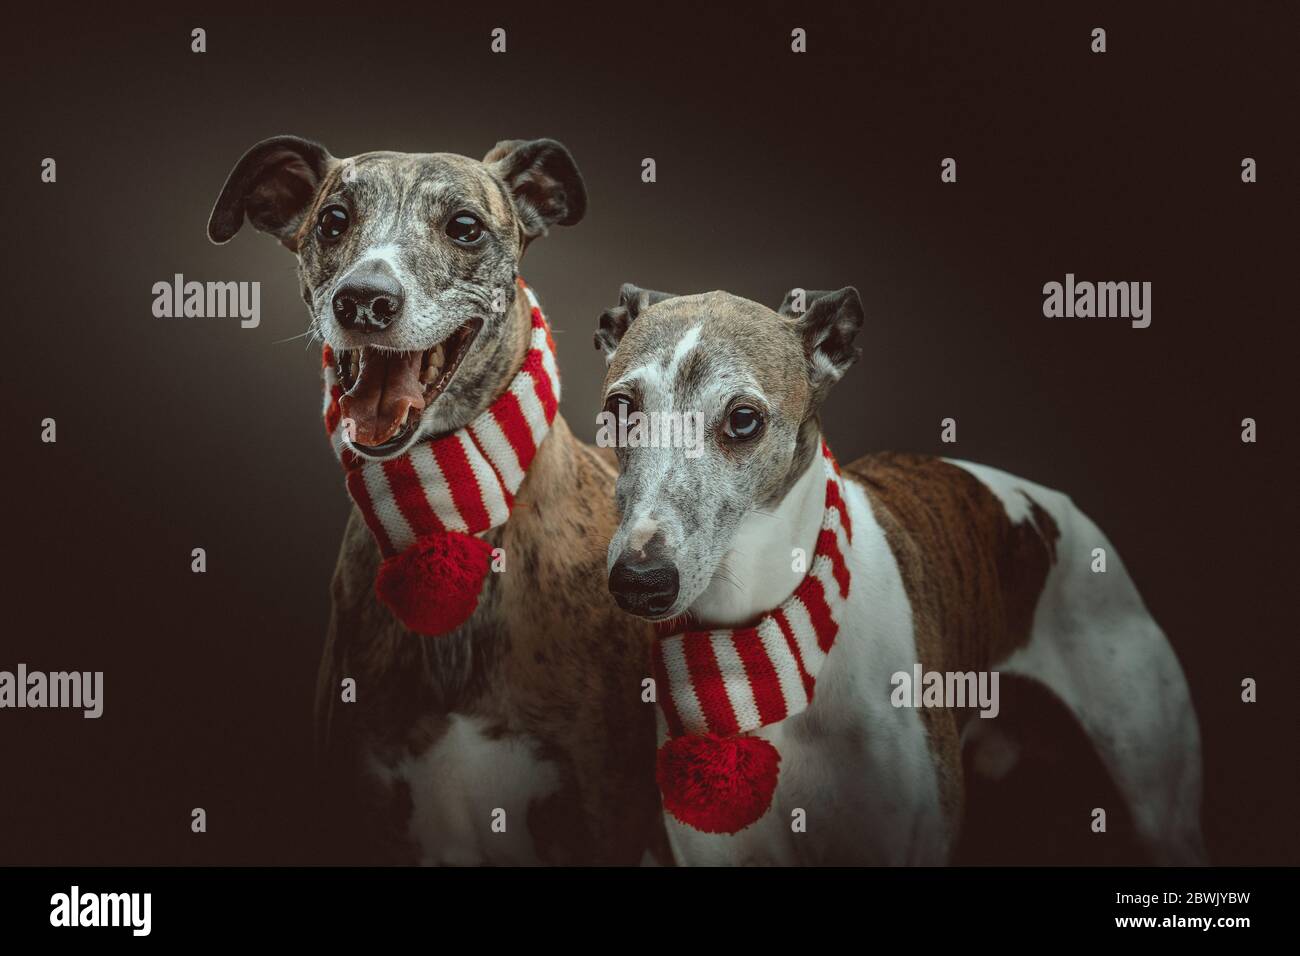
{"x": 857, "y": 781}
{"x": 470, "y": 795}
{"x": 852, "y": 790}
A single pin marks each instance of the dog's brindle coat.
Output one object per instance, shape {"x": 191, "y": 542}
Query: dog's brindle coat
{"x": 955, "y": 566}
{"x": 528, "y": 719}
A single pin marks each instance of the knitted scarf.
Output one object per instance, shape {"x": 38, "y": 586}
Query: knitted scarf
{"x": 427, "y": 507}
{"x": 716, "y": 686}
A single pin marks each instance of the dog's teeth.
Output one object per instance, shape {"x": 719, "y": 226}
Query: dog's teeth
{"x": 432, "y": 365}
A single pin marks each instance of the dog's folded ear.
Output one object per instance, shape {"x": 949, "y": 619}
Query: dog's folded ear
{"x": 544, "y": 181}
{"x": 273, "y": 184}
{"x": 796, "y": 301}
{"x": 632, "y": 300}
{"x": 827, "y": 323}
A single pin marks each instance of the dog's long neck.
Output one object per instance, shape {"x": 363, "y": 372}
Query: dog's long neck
{"x": 759, "y": 571}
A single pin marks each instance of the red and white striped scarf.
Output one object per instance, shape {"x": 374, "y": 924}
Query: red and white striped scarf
{"x": 719, "y": 684}
{"x": 426, "y": 507}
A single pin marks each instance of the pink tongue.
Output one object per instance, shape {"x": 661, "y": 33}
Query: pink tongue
{"x": 387, "y": 385}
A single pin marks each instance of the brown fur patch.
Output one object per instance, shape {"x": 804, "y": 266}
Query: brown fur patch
{"x": 972, "y": 577}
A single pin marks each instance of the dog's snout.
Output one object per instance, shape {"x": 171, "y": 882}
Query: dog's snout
{"x": 368, "y": 299}
{"x": 643, "y": 581}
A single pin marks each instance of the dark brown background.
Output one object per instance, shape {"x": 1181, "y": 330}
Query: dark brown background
{"x": 774, "y": 170}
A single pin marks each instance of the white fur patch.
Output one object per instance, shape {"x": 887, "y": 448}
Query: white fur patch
{"x": 683, "y": 348}
{"x": 389, "y": 254}
{"x": 458, "y": 784}
{"x": 1008, "y": 489}
{"x": 642, "y": 532}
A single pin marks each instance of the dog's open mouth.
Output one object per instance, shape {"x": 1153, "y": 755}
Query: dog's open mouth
{"x": 385, "y": 392}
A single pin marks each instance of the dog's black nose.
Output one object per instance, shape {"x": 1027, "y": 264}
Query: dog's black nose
{"x": 369, "y": 299}
{"x": 643, "y": 584}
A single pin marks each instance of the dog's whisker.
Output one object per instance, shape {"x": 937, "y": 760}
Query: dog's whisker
{"x": 292, "y": 337}
{"x": 727, "y": 579}
{"x": 725, "y": 573}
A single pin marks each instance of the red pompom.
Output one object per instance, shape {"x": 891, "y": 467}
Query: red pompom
{"x": 433, "y": 585}
{"x": 717, "y": 784}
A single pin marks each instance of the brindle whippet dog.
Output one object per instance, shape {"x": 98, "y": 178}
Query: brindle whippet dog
{"x": 533, "y": 705}
{"x": 955, "y": 566}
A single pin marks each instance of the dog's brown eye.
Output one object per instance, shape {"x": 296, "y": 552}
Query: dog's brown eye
{"x": 465, "y": 228}
{"x": 333, "y": 222}
{"x": 743, "y": 423}
{"x": 619, "y": 405}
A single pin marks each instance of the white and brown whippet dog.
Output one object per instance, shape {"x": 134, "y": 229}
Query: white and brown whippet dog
{"x": 793, "y": 596}
{"x": 514, "y": 730}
